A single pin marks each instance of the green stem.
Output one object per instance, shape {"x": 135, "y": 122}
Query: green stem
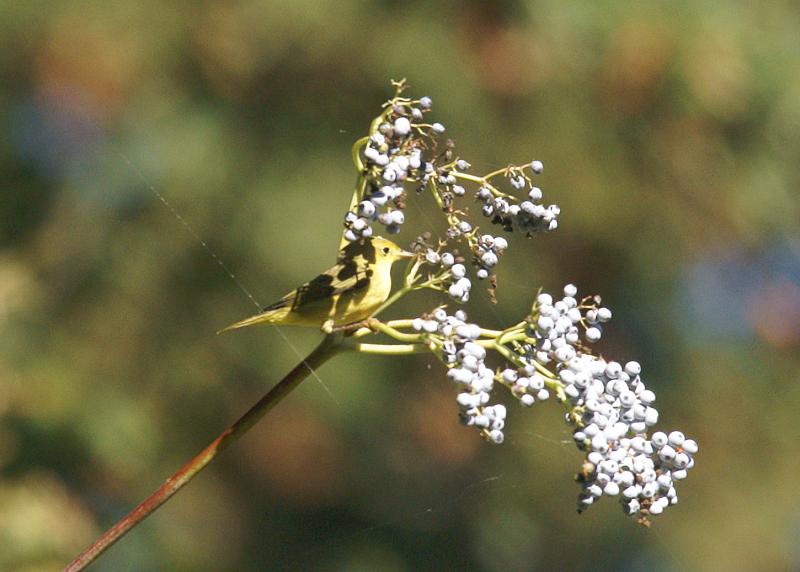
{"x": 493, "y": 174}
{"x": 356, "y": 154}
{"x": 436, "y": 196}
{"x": 388, "y": 349}
{"x": 484, "y": 181}
{"x": 407, "y": 323}
{"x": 329, "y": 347}
{"x": 361, "y": 182}
{"x": 396, "y": 334}
{"x": 512, "y": 334}
{"x": 487, "y": 333}
{"x": 549, "y": 380}
{"x": 506, "y": 353}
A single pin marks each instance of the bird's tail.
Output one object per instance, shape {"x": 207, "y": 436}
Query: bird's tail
{"x": 266, "y": 317}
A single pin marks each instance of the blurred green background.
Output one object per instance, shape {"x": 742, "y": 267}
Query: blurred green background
{"x": 670, "y": 134}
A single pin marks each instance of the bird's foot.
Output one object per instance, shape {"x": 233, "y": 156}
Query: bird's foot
{"x": 348, "y": 329}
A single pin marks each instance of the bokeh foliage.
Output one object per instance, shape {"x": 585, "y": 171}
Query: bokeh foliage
{"x": 670, "y": 135}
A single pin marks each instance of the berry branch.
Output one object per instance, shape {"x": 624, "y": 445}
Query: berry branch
{"x": 548, "y": 352}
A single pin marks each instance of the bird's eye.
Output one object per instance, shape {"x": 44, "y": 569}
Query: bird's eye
{"x": 386, "y": 250}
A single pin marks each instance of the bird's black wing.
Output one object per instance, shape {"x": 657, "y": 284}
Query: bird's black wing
{"x": 342, "y": 278}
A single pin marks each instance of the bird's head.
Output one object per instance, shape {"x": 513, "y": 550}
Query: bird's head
{"x": 375, "y": 250}
{"x": 388, "y": 250}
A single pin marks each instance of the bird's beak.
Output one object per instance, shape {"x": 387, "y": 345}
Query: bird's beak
{"x": 406, "y": 254}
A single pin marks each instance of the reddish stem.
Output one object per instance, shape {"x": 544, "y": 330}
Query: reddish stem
{"x": 325, "y": 350}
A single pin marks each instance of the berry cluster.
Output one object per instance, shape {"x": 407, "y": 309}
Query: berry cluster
{"x": 612, "y": 411}
{"x": 639, "y": 471}
{"x": 467, "y": 368}
{"x": 608, "y": 403}
{"x": 457, "y": 285}
{"x": 460, "y": 287}
{"x": 487, "y": 253}
{"x": 557, "y": 327}
{"x": 528, "y": 216}
{"x": 391, "y": 156}
{"x": 526, "y": 384}
{"x": 403, "y": 149}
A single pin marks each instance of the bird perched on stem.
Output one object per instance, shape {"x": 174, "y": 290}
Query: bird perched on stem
{"x": 346, "y": 293}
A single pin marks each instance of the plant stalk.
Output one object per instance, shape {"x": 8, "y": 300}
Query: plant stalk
{"x": 329, "y": 347}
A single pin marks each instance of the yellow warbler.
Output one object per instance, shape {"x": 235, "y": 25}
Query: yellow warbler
{"x": 345, "y": 293}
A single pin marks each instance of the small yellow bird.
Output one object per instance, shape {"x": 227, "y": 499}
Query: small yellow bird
{"x": 346, "y": 293}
